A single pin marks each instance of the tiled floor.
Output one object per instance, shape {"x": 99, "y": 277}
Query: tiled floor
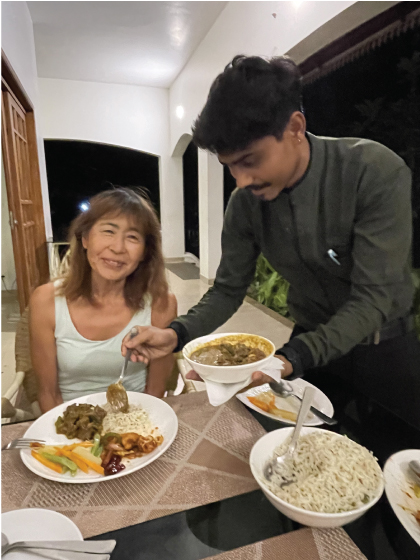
{"x": 250, "y": 318}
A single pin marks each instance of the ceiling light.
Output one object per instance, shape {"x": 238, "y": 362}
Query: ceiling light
{"x": 179, "y": 111}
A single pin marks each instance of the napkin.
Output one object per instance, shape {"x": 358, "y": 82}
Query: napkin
{"x": 219, "y": 393}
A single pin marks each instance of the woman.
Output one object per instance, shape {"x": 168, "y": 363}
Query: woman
{"x": 116, "y": 280}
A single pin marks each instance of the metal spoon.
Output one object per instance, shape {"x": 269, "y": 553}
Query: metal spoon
{"x": 283, "y": 389}
{"x": 283, "y": 465}
{"x": 415, "y": 469}
{"x": 116, "y": 394}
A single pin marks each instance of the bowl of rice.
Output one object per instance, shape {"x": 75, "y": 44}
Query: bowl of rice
{"x": 251, "y": 352}
{"x": 337, "y": 480}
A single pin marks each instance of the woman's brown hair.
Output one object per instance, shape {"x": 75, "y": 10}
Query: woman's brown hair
{"x": 149, "y": 276}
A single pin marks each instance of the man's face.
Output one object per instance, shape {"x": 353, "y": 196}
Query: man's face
{"x": 269, "y": 165}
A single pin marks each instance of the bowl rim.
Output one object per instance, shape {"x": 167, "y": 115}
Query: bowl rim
{"x": 222, "y": 335}
{"x": 317, "y": 514}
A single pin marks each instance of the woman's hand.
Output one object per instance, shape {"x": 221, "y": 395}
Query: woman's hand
{"x": 149, "y": 344}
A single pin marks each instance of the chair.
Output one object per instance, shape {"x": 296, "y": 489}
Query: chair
{"x": 25, "y": 377}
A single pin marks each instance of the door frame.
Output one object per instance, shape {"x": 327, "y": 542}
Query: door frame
{"x": 11, "y": 83}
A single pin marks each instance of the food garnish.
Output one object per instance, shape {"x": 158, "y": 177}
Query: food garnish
{"x": 413, "y": 508}
{"x": 266, "y": 401}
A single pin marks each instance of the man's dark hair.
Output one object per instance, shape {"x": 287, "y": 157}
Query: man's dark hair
{"x": 252, "y": 98}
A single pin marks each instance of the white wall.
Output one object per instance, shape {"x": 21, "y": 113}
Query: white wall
{"x": 7, "y": 259}
{"x": 129, "y": 116}
{"x": 242, "y": 28}
{"x": 19, "y": 47}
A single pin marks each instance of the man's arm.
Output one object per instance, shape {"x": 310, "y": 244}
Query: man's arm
{"x": 235, "y": 273}
{"x": 381, "y": 255}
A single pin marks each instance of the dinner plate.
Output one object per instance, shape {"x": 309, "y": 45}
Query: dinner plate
{"x": 321, "y": 402}
{"x": 36, "y": 525}
{"x": 161, "y": 415}
{"x": 398, "y": 482}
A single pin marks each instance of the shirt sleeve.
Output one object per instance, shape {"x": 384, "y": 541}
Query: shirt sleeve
{"x": 381, "y": 257}
{"x": 240, "y": 251}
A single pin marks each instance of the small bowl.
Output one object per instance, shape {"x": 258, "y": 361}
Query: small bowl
{"x": 226, "y": 374}
{"x": 263, "y": 450}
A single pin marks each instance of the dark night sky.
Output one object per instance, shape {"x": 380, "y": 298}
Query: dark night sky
{"x": 78, "y": 170}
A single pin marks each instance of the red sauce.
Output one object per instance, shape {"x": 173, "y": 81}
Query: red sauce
{"x": 114, "y": 466}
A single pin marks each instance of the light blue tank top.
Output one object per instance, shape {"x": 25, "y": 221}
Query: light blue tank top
{"x": 90, "y": 366}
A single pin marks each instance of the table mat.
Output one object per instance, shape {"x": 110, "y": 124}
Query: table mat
{"x": 207, "y": 462}
{"x": 304, "y": 544}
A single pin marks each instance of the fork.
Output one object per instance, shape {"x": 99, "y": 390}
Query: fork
{"x": 21, "y": 443}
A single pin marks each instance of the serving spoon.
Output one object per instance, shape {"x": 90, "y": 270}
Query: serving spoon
{"x": 282, "y": 465}
{"x": 116, "y": 394}
{"x": 283, "y": 389}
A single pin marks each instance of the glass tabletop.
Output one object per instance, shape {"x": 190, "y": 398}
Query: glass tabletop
{"x": 231, "y": 523}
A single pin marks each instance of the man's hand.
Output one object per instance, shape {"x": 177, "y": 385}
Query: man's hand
{"x": 150, "y": 343}
{"x": 258, "y": 377}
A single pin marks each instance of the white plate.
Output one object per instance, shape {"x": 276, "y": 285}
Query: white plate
{"x": 397, "y": 484}
{"x": 36, "y": 525}
{"x": 161, "y": 415}
{"x": 321, "y": 402}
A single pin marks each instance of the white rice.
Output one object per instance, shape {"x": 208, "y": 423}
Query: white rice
{"x": 334, "y": 474}
{"x": 135, "y": 420}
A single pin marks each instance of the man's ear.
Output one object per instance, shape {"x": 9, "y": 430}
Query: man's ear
{"x": 297, "y": 125}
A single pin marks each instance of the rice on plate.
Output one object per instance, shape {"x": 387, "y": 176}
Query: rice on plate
{"x": 136, "y": 420}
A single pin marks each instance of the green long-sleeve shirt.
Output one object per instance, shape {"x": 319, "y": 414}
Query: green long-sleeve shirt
{"x": 355, "y": 199}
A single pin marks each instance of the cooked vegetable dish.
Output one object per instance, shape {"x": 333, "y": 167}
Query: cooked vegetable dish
{"x": 81, "y": 421}
{"x": 227, "y": 354}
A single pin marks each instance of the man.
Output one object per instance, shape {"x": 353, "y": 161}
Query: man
{"x": 332, "y": 216}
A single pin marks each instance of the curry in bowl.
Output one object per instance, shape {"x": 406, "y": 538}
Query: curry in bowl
{"x": 232, "y": 350}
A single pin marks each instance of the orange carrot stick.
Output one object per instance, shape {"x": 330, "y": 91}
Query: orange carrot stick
{"x": 54, "y": 466}
{"x": 255, "y": 401}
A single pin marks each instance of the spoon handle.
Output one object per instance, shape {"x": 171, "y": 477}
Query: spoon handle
{"x": 308, "y": 396}
{"x": 133, "y": 333}
{"x": 327, "y": 419}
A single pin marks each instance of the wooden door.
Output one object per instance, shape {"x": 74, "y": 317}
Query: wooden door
{"x": 25, "y": 204}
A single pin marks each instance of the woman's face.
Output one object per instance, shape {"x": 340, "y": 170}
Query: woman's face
{"x": 114, "y": 247}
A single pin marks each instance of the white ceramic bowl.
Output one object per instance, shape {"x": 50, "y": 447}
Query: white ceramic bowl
{"x": 263, "y": 451}
{"x": 225, "y": 374}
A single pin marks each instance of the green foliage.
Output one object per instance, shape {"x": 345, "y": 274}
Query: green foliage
{"x": 269, "y": 288}
{"x": 416, "y": 302}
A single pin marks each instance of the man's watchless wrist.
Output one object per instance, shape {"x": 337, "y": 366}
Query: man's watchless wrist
{"x": 181, "y": 333}
{"x": 293, "y": 357}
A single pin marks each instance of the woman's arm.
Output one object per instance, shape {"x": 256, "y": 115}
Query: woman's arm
{"x": 43, "y": 346}
{"x": 161, "y": 368}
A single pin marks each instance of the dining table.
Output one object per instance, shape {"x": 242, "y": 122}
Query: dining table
{"x": 200, "y": 500}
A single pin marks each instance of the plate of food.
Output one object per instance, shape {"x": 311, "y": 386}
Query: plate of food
{"x": 285, "y": 409}
{"x": 87, "y": 442}
{"x": 403, "y": 491}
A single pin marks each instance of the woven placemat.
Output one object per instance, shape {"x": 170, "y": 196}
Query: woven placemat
{"x": 304, "y": 544}
{"x": 207, "y": 462}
